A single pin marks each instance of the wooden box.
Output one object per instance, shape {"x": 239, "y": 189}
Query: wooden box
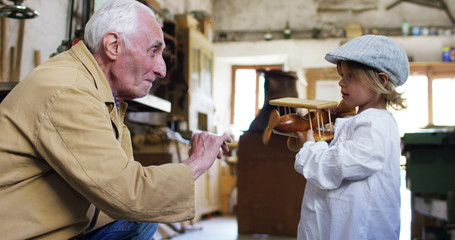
{"x": 270, "y": 191}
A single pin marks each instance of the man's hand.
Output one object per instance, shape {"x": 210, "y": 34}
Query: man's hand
{"x": 205, "y": 148}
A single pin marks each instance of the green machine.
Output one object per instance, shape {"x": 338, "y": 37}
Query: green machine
{"x": 430, "y": 175}
{"x": 430, "y": 166}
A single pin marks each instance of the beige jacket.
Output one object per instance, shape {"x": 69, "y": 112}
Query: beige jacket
{"x": 64, "y": 149}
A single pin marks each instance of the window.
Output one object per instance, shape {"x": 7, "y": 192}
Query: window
{"x": 415, "y": 91}
{"x": 443, "y": 100}
{"x": 247, "y": 96}
{"x": 430, "y": 94}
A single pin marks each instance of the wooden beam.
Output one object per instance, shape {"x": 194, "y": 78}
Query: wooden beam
{"x": 438, "y": 69}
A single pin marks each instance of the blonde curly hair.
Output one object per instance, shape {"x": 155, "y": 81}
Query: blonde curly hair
{"x": 370, "y": 77}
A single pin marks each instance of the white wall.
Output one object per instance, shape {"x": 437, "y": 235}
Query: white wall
{"x": 304, "y": 14}
{"x": 184, "y": 6}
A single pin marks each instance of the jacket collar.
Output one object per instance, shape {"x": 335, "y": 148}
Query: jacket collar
{"x": 81, "y": 52}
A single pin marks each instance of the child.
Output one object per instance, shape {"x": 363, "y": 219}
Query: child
{"x": 353, "y": 183}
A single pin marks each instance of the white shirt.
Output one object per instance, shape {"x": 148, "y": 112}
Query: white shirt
{"x": 353, "y": 184}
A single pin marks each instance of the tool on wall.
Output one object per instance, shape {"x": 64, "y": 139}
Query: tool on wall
{"x": 20, "y": 43}
{"x": 81, "y": 17}
{"x": 3, "y": 49}
{"x": 17, "y": 10}
{"x": 12, "y": 59}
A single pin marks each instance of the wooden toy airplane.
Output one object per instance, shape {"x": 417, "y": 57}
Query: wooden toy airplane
{"x": 317, "y": 120}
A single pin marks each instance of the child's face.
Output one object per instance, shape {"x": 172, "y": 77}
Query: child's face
{"x": 356, "y": 93}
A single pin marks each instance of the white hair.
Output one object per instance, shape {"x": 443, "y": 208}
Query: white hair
{"x": 117, "y": 16}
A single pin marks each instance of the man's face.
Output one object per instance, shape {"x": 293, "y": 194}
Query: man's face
{"x": 138, "y": 66}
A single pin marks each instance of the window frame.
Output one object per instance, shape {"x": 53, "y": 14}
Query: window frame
{"x": 432, "y": 70}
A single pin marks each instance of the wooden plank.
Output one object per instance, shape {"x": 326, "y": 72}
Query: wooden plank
{"x": 303, "y": 103}
{"x": 20, "y": 44}
{"x": 37, "y": 57}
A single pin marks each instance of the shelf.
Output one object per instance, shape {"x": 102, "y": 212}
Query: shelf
{"x": 149, "y": 103}
{"x": 435, "y": 69}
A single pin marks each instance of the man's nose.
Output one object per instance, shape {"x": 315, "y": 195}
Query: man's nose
{"x": 160, "y": 68}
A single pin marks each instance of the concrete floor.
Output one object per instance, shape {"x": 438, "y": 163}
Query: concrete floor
{"x": 225, "y": 227}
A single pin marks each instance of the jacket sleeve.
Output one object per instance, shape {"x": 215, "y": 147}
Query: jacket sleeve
{"x": 358, "y": 156}
{"x": 75, "y": 136}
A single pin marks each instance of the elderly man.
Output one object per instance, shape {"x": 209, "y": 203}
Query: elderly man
{"x": 65, "y": 151}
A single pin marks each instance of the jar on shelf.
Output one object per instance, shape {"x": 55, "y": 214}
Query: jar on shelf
{"x": 268, "y": 35}
{"x": 405, "y": 28}
{"x": 287, "y": 32}
{"x": 446, "y": 53}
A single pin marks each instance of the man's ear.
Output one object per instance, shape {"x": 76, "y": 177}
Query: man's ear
{"x": 384, "y": 78}
{"x": 111, "y": 45}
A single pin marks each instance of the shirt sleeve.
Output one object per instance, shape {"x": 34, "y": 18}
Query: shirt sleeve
{"x": 76, "y": 138}
{"x": 357, "y": 154}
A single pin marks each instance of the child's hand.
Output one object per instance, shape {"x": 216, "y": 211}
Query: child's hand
{"x": 334, "y": 111}
{"x": 305, "y": 138}
{"x": 342, "y": 110}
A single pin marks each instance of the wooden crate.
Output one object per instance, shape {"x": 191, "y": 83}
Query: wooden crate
{"x": 270, "y": 191}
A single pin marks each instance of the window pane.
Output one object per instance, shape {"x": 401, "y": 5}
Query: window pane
{"x": 443, "y": 99}
{"x": 195, "y": 69}
{"x": 415, "y": 91}
{"x": 245, "y": 100}
{"x": 206, "y": 83}
{"x": 261, "y": 95}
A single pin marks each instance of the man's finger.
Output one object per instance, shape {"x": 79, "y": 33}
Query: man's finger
{"x": 225, "y": 147}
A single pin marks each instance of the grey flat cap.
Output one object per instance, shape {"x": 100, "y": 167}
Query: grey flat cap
{"x": 378, "y": 52}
